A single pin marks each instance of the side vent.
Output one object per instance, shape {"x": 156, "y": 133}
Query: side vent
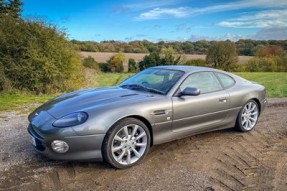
{"x": 159, "y": 112}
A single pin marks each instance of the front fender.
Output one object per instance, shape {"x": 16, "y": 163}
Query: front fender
{"x": 102, "y": 119}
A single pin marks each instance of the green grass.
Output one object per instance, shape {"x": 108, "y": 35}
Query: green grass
{"x": 274, "y": 82}
{"x": 15, "y": 101}
{"x": 111, "y": 79}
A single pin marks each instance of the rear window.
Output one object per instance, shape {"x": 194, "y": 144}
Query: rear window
{"x": 226, "y": 80}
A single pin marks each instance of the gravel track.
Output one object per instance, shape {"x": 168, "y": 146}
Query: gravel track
{"x": 221, "y": 160}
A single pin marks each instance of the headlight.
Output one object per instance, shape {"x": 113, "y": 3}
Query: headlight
{"x": 71, "y": 120}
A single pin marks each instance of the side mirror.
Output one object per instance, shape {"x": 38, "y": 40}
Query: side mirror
{"x": 189, "y": 91}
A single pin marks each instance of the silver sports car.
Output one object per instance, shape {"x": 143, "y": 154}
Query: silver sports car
{"x": 119, "y": 124}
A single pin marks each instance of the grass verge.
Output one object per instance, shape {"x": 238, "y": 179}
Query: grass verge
{"x": 274, "y": 82}
{"x": 110, "y": 79}
{"x": 15, "y": 101}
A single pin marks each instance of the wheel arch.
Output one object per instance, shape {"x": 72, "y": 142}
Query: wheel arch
{"x": 258, "y": 103}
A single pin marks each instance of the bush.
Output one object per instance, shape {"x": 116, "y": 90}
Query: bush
{"x": 116, "y": 63}
{"x": 37, "y": 57}
{"x": 167, "y": 56}
{"x": 222, "y": 55}
{"x": 266, "y": 64}
{"x": 132, "y": 66}
{"x": 283, "y": 63}
{"x": 90, "y": 62}
{"x": 153, "y": 59}
{"x": 104, "y": 67}
{"x": 195, "y": 62}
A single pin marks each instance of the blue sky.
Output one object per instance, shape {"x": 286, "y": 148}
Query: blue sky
{"x": 168, "y": 20}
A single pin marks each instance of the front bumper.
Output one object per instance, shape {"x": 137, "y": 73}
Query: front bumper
{"x": 80, "y": 147}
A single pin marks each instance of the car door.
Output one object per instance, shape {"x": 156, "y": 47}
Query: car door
{"x": 195, "y": 114}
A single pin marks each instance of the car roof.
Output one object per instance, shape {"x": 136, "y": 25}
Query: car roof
{"x": 185, "y": 68}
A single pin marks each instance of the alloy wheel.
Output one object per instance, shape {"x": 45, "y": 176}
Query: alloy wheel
{"x": 249, "y": 115}
{"x": 129, "y": 144}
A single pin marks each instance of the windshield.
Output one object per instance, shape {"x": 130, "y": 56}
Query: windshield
{"x": 154, "y": 80}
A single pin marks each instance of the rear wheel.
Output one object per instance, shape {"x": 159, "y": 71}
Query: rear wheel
{"x": 248, "y": 116}
{"x": 126, "y": 143}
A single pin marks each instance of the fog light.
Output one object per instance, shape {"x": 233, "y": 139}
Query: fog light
{"x": 60, "y": 146}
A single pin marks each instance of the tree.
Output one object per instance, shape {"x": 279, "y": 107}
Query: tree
{"x": 153, "y": 59}
{"x": 222, "y": 55}
{"x": 15, "y": 8}
{"x": 169, "y": 56}
{"x": 132, "y": 65}
{"x": 12, "y": 8}
{"x": 116, "y": 63}
{"x": 2, "y": 7}
{"x": 269, "y": 51}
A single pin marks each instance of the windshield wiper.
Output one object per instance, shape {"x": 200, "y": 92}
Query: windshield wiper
{"x": 154, "y": 91}
{"x": 140, "y": 87}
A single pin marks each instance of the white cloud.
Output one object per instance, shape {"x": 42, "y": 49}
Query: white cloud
{"x": 243, "y": 4}
{"x": 158, "y": 13}
{"x": 262, "y": 19}
{"x": 150, "y": 4}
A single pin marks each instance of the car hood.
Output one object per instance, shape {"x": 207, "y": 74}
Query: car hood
{"x": 84, "y": 100}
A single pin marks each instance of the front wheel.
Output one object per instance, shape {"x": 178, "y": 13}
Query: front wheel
{"x": 126, "y": 143}
{"x": 248, "y": 116}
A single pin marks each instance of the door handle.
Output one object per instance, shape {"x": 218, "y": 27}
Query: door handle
{"x": 222, "y": 100}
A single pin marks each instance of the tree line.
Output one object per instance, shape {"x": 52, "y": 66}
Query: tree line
{"x": 244, "y": 47}
{"x": 221, "y": 55}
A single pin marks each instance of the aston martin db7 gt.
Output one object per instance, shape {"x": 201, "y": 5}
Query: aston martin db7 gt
{"x": 119, "y": 124}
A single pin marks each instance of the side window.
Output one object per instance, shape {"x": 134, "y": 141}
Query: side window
{"x": 205, "y": 81}
{"x": 226, "y": 80}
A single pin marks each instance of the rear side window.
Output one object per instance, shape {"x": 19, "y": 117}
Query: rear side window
{"x": 226, "y": 80}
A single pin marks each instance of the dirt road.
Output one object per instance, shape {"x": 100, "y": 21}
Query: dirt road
{"x": 222, "y": 160}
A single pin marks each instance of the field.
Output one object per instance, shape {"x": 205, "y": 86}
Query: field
{"x": 102, "y": 57}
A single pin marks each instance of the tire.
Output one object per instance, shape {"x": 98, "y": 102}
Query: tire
{"x": 126, "y": 143}
{"x": 248, "y": 116}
